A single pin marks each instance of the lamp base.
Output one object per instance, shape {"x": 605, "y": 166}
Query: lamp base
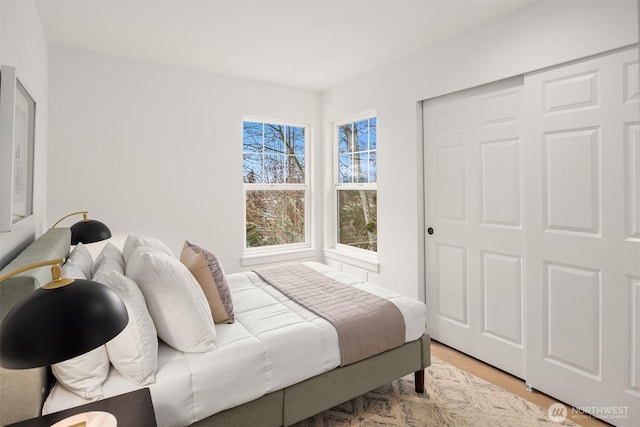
{"x": 89, "y": 419}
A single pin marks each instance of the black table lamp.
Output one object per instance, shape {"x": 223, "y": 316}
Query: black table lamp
{"x": 87, "y": 230}
{"x": 58, "y": 321}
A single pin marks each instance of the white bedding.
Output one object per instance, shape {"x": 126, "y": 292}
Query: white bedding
{"x": 274, "y": 343}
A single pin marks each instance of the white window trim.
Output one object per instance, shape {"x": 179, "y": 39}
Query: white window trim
{"x": 278, "y": 256}
{"x": 362, "y": 258}
{"x": 285, "y": 252}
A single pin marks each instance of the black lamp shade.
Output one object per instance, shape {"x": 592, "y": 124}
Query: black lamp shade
{"x": 89, "y": 231}
{"x": 53, "y": 325}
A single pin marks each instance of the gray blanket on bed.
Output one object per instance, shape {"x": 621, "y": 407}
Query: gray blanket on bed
{"x": 366, "y": 324}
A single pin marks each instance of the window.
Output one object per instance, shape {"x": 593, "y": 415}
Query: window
{"x": 275, "y": 184}
{"x": 356, "y": 184}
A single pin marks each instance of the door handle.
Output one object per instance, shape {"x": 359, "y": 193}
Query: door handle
{"x": 430, "y": 230}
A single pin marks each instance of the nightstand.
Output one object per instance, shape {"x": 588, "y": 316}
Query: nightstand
{"x": 134, "y": 409}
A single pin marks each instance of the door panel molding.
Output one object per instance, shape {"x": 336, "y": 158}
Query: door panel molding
{"x": 532, "y": 186}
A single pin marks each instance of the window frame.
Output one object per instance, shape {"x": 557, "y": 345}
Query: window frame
{"x": 256, "y": 255}
{"x": 364, "y": 258}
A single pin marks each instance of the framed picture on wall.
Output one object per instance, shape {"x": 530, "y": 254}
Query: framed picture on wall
{"x": 17, "y": 137}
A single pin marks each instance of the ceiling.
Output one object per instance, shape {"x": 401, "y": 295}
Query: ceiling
{"x": 312, "y": 44}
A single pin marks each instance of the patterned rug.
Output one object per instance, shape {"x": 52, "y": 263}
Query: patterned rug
{"x": 453, "y": 398}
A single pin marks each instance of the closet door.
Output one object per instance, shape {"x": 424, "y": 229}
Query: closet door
{"x": 474, "y": 259}
{"x": 582, "y": 223}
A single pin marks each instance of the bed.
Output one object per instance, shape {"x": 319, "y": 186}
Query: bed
{"x": 275, "y": 364}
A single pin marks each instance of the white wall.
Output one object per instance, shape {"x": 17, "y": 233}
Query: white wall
{"x": 157, "y": 150}
{"x": 23, "y": 45}
{"x": 542, "y": 35}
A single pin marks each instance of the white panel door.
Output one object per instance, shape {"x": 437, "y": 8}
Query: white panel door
{"x": 474, "y": 208}
{"x": 582, "y": 234}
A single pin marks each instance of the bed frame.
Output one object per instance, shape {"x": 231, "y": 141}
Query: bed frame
{"x": 22, "y": 392}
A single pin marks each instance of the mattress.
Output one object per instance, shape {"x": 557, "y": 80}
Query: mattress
{"x": 273, "y": 344}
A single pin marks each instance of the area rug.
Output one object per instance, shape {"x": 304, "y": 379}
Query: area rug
{"x": 453, "y": 398}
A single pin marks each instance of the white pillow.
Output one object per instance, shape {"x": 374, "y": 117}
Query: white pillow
{"x": 133, "y": 352}
{"x": 133, "y": 242}
{"x": 81, "y": 257}
{"x": 107, "y": 266}
{"x": 84, "y": 375}
{"x": 109, "y": 252}
{"x": 72, "y": 271}
{"x": 175, "y": 300}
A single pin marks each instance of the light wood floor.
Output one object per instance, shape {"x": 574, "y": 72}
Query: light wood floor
{"x": 504, "y": 380}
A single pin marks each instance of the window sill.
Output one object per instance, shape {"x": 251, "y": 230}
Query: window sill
{"x": 360, "y": 259}
{"x": 253, "y": 259}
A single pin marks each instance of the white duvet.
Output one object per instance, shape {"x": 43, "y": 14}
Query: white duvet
{"x": 274, "y": 343}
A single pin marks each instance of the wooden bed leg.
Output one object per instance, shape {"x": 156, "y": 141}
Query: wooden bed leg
{"x": 419, "y": 381}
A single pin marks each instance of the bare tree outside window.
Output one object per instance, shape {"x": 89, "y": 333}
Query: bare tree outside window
{"x": 357, "y": 201}
{"x": 274, "y": 180}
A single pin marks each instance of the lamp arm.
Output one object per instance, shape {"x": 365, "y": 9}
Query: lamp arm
{"x": 27, "y": 267}
{"x": 71, "y": 214}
